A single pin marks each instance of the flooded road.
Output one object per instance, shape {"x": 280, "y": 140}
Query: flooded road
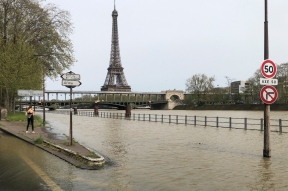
{"x": 149, "y": 156}
{"x": 23, "y": 166}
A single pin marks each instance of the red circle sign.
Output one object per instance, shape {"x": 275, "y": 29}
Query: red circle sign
{"x": 268, "y": 69}
{"x": 268, "y": 94}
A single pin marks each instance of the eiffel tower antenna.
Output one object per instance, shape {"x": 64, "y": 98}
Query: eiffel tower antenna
{"x": 115, "y": 78}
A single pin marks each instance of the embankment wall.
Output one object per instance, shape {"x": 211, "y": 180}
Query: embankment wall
{"x": 256, "y": 107}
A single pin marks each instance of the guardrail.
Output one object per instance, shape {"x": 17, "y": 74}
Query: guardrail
{"x": 276, "y": 125}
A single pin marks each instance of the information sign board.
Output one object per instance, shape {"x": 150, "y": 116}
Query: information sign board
{"x": 68, "y": 76}
{"x": 71, "y": 83}
{"x": 30, "y": 93}
{"x": 269, "y": 81}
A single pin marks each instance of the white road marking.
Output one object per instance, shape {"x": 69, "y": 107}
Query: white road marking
{"x": 42, "y": 174}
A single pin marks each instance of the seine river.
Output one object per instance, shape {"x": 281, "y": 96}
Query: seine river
{"x": 150, "y": 156}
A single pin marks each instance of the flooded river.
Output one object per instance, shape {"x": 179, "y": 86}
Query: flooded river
{"x": 148, "y": 156}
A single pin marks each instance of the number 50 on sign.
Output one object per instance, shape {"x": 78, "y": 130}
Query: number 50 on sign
{"x": 268, "y": 69}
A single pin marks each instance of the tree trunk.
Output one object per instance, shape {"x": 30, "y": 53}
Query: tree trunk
{"x": 13, "y": 104}
{"x": 6, "y": 99}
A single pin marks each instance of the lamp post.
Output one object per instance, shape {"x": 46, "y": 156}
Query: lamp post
{"x": 43, "y": 102}
{"x": 266, "y": 149}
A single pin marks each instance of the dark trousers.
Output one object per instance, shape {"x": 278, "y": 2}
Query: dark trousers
{"x": 30, "y": 120}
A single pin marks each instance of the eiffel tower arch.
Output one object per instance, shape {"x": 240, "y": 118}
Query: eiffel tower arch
{"x": 115, "y": 78}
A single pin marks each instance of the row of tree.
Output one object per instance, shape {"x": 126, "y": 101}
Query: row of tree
{"x": 203, "y": 90}
{"x": 33, "y": 39}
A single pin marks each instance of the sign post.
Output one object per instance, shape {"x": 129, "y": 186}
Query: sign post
{"x": 266, "y": 149}
{"x": 268, "y": 95}
{"x": 70, "y": 80}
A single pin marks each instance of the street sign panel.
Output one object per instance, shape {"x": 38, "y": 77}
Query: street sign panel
{"x": 68, "y": 76}
{"x": 268, "y": 69}
{"x": 70, "y": 83}
{"x": 30, "y": 93}
{"x": 268, "y": 94}
{"x": 268, "y": 81}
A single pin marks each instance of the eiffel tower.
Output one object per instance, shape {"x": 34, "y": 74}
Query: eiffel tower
{"x": 115, "y": 79}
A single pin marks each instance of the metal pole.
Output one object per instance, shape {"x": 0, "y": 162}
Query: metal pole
{"x": 43, "y": 102}
{"x": 34, "y": 103}
{"x": 280, "y": 125}
{"x": 261, "y": 124}
{"x": 266, "y": 149}
{"x": 70, "y": 141}
{"x": 266, "y": 41}
{"x": 245, "y": 123}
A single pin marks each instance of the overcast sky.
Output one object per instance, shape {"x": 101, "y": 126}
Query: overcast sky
{"x": 165, "y": 42}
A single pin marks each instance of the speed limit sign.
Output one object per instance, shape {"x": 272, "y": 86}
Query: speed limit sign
{"x": 268, "y": 69}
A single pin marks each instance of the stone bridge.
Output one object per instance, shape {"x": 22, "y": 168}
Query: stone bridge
{"x": 173, "y": 98}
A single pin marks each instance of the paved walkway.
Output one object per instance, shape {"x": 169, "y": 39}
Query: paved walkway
{"x": 55, "y": 144}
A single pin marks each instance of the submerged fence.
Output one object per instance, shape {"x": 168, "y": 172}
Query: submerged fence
{"x": 276, "y": 125}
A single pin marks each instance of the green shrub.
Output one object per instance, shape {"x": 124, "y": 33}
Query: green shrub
{"x": 39, "y": 140}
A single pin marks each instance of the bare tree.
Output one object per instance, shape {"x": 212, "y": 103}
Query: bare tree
{"x": 200, "y": 85}
{"x": 229, "y": 81}
{"x": 254, "y": 86}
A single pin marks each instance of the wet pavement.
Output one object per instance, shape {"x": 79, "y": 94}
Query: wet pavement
{"x": 56, "y": 144}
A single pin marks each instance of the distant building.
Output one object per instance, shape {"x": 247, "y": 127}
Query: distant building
{"x": 248, "y": 88}
{"x": 238, "y": 87}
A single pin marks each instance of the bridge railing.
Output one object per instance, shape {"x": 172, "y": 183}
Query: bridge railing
{"x": 276, "y": 125}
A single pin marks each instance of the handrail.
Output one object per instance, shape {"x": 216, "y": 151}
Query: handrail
{"x": 277, "y": 125}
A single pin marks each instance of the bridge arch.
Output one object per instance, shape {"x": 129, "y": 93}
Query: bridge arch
{"x": 174, "y": 95}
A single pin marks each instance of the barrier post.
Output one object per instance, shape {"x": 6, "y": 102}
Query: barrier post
{"x": 261, "y": 124}
{"x": 245, "y": 123}
{"x": 280, "y": 125}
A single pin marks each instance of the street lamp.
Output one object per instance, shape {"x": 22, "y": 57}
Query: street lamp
{"x": 44, "y": 71}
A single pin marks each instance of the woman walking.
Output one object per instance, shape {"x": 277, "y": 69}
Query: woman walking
{"x": 30, "y": 118}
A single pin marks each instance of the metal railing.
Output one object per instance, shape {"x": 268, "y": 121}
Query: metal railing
{"x": 276, "y": 125}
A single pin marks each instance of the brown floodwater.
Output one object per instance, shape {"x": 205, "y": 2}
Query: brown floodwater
{"x": 154, "y": 156}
